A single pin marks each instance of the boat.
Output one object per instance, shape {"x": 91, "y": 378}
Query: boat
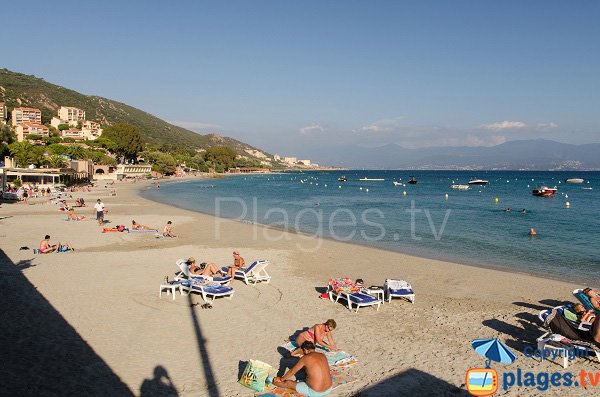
{"x": 460, "y": 187}
{"x": 371, "y": 179}
{"x": 544, "y": 191}
{"x": 397, "y": 183}
{"x": 574, "y": 180}
{"x": 342, "y": 179}
{"x": 412, "y": 180}
{"x": 478, "y": 182}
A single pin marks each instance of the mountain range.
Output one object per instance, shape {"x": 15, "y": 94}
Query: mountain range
{"x": 535, "y": 154}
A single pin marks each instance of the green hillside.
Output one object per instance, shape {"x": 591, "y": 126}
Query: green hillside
{"x": 18, "y": 89}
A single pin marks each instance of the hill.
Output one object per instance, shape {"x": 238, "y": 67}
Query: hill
{"x": 17, "y": 89}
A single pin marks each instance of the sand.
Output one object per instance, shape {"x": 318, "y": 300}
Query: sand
{"x": 91, "y": 322}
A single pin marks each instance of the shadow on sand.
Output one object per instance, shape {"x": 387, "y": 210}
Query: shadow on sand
{"x": 411, "y": 382}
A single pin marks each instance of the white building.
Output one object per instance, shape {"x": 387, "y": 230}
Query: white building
{"x": 290, "y": 160}
{"x": 91, "y": 130}
{"x": 71, "y": 115}
{"x": 26, "y": 115}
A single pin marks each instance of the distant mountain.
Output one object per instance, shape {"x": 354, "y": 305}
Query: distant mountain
{"x": 538, "y": 154}
{"x": 18, "y": 89}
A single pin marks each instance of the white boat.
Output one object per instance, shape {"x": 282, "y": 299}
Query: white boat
{"x": 478, "y": 182}
{"x": 574, "y": 180}
{"x": 397, "y": 183}
{"x": 460, "y": 187}
{"x": 371, "y": 179}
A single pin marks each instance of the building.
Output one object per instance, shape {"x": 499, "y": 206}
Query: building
{"x": 249, "y": 170}
{"x": 290, "y": 160}
{"x": 26, "y": 115}
{"x": 277, "y": 157}
{"x": 91, "y": 130}
{"x": 3, "y": 112}
{"x": 70, "y": 115}
{"x": 305, "y": 162}
{"x": 24, "y": 129}
{"x": 133, "y": 170}
{"x": 72, "y": 133}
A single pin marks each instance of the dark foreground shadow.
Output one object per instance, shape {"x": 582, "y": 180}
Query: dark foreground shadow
{"x": 159, "y": 386}
{"x": 412, "y": 382}
{"x": 41, "y": 353}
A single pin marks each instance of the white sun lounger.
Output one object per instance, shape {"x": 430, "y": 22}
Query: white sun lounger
{"x": 184, "y": 274}
{"x": 206, "y": 289}
{"x": 398, "y": 289}
{"x": 254, "y": 273}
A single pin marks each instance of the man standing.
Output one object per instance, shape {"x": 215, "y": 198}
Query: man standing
{"x": 318, "y": 378}
{"x": 99, "y": 206}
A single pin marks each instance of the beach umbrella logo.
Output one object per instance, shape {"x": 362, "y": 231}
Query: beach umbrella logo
{"x": 484, "y": 381}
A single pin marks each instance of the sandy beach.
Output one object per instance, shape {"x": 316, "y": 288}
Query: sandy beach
{"x": 91, "y": 322}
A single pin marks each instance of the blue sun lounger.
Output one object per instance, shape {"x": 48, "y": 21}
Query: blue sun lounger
{"x": 254, "y": 273}
{"x": 398, "y": 289}
{"x": 206, "y": 289}
{"x": 184, "y": 273}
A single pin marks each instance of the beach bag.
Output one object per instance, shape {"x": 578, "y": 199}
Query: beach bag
{"x": 255, "y": 375}
{"x": 558, "y": 324}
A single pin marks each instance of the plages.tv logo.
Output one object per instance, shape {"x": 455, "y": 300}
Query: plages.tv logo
{"x": 484, "y": 381}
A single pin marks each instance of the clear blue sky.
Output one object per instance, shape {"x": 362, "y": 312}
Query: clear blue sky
{"x": 288, "y": 76}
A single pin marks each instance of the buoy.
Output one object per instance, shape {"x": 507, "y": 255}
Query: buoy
{"x": 496, "y": 199}
{"x": 532, "y": 232}
{"x": 446, "y": 196}
{"x": 325, "y": 185}
{"x": 404, "y": 193}
{"x": 566, "y": 196}
{"x": 360, "y": 188}
{"x": 367, "y": 190}
{"x": 340, "y": 186}
{"x": 568, "y": 204}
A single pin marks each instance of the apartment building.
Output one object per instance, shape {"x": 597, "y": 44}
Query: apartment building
{"x": 26, "y": 115}
{"x": 3, "y": 112}
{"x": 70, "y": 115}
{"x": 90, "y": 129}
{"x": 26, "y": 128}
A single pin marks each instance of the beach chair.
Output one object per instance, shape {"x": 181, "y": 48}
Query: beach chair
{"x": 583, "y": 324}
{"x": 585, "y": 300}
{"x": 564, "y": 347}
{"x": 345, "y": 289}
{"x": 184, "y": 274}
{"x": 254, "y": 273}
{"x": 398, "y": 289}
{"x": 206, "y": 289}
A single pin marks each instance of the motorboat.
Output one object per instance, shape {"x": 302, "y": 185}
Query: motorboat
{"x": 478, "y": 182}
{"x": 460, "y": 187}
{"x": 574, "y": 180}
{"x": 371, "y": 179}
{"x": 544, "y": 191}
{"x": 412, "y": 180}
{"x": 397, "y": 183}
{"x": 342, "y": 179}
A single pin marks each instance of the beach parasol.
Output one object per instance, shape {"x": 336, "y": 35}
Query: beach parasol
{"x": 493, "y": 350}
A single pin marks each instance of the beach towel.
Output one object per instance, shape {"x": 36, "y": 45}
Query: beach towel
{"x": 343, "y": 284}
{"x": 334, "y": 358}
{"x": 338, "y": 377}
{"x": 397, "y": 284}
{"x": 143, "y": 231}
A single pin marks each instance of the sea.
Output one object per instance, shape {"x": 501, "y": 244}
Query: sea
{"x": 427, "y": 219}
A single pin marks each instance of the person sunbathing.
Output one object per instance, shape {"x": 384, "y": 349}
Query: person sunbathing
{"x": 46, "y": 247}
{"x": 74, "y": 217}
{"x": 317, "y": 334}
{"x": 137, "y": 226}
{"x": 238, "y": 263}
{"x": 168, "y": 230}
{"x": 204, "y": 269}
{"x": 318, "y": 377}
{"x": 594, "y": 297}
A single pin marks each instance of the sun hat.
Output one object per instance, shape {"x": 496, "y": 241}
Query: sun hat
{"x": 191, "y": 259}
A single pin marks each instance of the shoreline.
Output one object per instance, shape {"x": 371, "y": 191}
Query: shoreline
{"x": 490, "y": 266}
{"x": 118, "y": 313}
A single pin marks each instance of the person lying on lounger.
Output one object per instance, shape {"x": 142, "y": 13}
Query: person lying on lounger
{"x": 594, "y": 297}
{"x": 318, "y": 377}
{"x": 238, "y": 263}
{"x": 317, "y": 334}
{"x": 137, "y": 226}
{"x": 74, "y": 217}
{"x": 204, "y": 269}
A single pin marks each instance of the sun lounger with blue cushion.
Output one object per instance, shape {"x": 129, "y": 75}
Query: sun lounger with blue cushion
{"x": 184, "y": 274}
{"x": 344, "y": 289}
{"x": 254, "y": 273}
{"x": 207, "y": 289}
{"x": 398, "y": 289}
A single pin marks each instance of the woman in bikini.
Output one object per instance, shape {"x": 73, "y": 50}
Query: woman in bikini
{"x": 238, "y": 263}
{"x": 205, "y": 269}
{"x": 317, "y": 335}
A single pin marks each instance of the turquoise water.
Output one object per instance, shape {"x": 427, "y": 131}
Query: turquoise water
{"x": 476, "y": 229}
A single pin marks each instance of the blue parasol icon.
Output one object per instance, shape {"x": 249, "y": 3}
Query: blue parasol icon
{"x": 493, "y": 350}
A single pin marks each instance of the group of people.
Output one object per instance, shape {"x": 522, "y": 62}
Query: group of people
{"x": 574, "y": 315}
{"x": 212, "y": 270}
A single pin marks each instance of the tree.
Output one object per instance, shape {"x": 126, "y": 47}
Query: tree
{"x": 20, "y": 151}
{"x": 222, "y": 157}
{"x": 56, "y": 161}
{"x": 6, "y": 134}
{"x": 127, "y": 139}
{"x": 77, "y": 152}
{"x": 62, "y": 127}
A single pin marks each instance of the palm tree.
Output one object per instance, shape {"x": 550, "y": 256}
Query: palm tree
{"x": 56, "y": 161}
{"x": 20, "y": 151}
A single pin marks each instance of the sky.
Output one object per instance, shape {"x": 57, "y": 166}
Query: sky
{"x": 290, "y": 76}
